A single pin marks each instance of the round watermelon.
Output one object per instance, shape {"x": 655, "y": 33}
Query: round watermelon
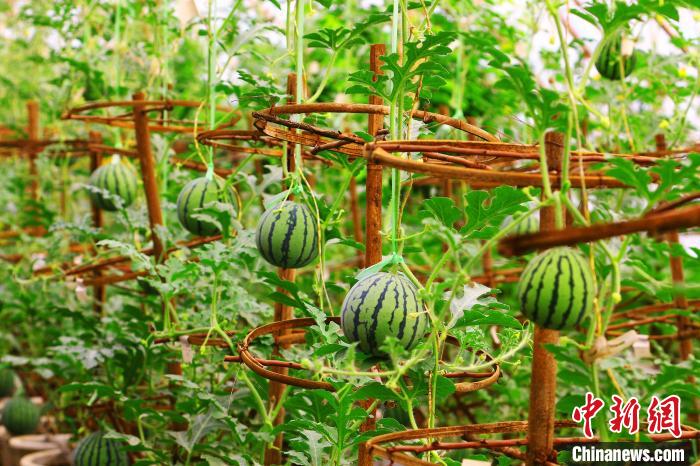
{"x": 608, "y": 62}
{"x": 20, "y": 416}
{"x": 194, "y": 196}
{"x": 382, "y": 305}
{"x": 287, "y": 235}
{"x": 556, "y": 289}
{"x": 7, "y": 382}
{"x": 96, "y": 450}
{"x": 115, "y": 179}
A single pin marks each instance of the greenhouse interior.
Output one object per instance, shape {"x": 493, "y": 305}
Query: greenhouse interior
{"x": 359, "y": 232}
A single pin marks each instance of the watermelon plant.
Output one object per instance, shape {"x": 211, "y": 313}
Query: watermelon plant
{"x": 375, "y": 234}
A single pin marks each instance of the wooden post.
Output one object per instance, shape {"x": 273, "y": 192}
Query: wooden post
{"x": 543, "y": 384}
{"x": 99, "y": 291}
{"x": 373, "y": 186}
{"x": 155, "y": 214}
{"x": 373, "y": 194}
{"x": 148, "y": 173}
{"x": 273, "y": 453}
{"x": 33, "y": 149}
{"x": 660, "y": 143}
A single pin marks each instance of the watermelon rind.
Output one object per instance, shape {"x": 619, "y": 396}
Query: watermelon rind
{"x": 381, "y": 305}
{"x": 556, "y": 289}
{"x": 287, "y": 235}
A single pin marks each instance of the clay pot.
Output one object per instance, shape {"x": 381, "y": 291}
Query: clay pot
{"x": 54, "y": 457}
{"x": 23, "y": 445}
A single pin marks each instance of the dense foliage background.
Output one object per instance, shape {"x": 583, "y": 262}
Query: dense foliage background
{"x": 517, "y": 68}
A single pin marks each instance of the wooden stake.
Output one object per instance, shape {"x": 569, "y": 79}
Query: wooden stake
{"x": 678, "y": 276}
{"x": 373, "y": 194}
{"x": 543, "y": 384}
{"x": 155, "y": 214}
{"x": 148, "y": 173}
{"x": 273, "y": 453}
{"x": 373, "y": 186}
{"x": 99, "y": 291}
{"x": 32, "y": 151}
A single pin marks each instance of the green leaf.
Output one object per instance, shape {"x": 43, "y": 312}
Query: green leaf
{"x": 488, "y": 316}
{"x": 443, "y": 209}
{"x": 486, "y": 212}
{"x": 376, "y": 391}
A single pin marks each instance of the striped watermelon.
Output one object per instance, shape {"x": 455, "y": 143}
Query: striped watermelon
{"x": 382, "y": 305}
{"x": 96, "y": 450}
{"x": 116, "y": 179}
{"x": 556, "y": 289}
{"x": 7, "y": 382}
{"x": 287, "y": 235}
{"x": 195, "y": 195}
{"x": 20, "y": 416}
{"x": 608, "y": 62}
{"x": 529, "y": 225}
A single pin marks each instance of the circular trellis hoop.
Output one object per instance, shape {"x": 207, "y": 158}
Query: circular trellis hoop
{"x": 644, "y": 315}
{"x": 197, "y": 339}
{"x": 65, "y": 148}
{"x": 666, "y": 218}
{"x": 232, "y": 139}
{"x": 486, "y": 163}
{"x": 269, "y": 122}
{"x": 469, "y": 434}
{"x": 298, "y": 335}
{"x": 125, "y": 119}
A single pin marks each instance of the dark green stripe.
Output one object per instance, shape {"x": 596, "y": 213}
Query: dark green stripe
{"x": 185, "y": 215}
{"x": 554, "y": 299}
{"x": 540, "y": 284}
{"x": 201, "y": 204}
{"x": 572, "y": 294}
{"x": 374, "y": 321}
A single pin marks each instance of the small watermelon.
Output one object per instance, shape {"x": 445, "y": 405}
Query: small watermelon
{"x": 287, "y": 235}
{"x": 556, "y": 289}
{"x": 20, "y": 416}
{"x": 116, "y": 179}
{"x": 382, "y": 305}
{"x": 608, "y": 62}
{"x": 96, "y": 450}
{"x": 195, "y": 195}
{"x": 527, "y": 226}
{"x": 398, "y": 413}
{"x": 7, "y": 382}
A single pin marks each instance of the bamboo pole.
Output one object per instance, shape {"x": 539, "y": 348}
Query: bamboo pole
{"x": 99, "y": 291}
{"x": 273, "y": 453}
{"x": 543, "y": 384}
